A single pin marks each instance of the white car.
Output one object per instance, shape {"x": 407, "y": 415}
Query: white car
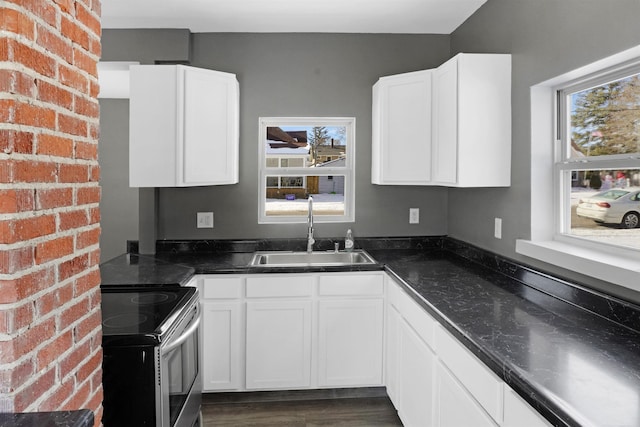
{"x": 614, "y": 206}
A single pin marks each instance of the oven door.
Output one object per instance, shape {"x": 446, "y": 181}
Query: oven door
{"x": 180, "y": 387}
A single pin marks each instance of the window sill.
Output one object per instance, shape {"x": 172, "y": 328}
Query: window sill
{"x": 612, "y": 268}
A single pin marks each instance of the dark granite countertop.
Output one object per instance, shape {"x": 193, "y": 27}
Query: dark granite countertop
{"x": 80, "y": 418}
{"x": 132, "y": 269}
{"x": 571, "y": 353}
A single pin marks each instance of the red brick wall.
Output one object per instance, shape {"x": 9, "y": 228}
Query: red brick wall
{"x": 50, "y": 333}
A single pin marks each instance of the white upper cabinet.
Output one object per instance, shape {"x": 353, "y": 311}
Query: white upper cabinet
{"x": 472, "y": 121}
{"x": 449, "y": 126}
{"x": 183, "y": 128}
{"x": 401, "y": 152}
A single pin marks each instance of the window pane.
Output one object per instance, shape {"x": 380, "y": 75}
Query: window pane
{"x": 605, "y": 120}
{"x": 307, "y": 146}
{"x": 272, "y": 162}
{"x": 328, "y": 197}
{"x": 605, "y": 206}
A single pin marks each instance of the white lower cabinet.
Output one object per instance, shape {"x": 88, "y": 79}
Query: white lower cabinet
{"x": 350, "y": 342}
{"x": 222, "y": 339}
{"x": 278, "y": 345}
{"x": 415, "y": 378}
{"x": 222, "y": 332}
{"x": 296, "y": 331}
{"x": 454, "y": 405}
{"x": 518, "y": 413}
{"x": 292, "y": 331}
{"x": 433, "y": 380}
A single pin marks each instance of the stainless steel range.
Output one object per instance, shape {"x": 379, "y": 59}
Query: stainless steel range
{"x": 151, "y": 374}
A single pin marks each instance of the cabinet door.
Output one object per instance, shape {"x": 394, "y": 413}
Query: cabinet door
{"x": 210, "y": 128}
{"x": 455, "y": 407}
{"x": 401, "y": 152}
{"x": 278, "y": 344}
{"x": 350, "y": 343}
{"x": 221, "y": 345}
{"x": 392, "y": 352}
{"x": 445, "y": 119}
{"x": 415, "y": 379}
{"x": 183, "y": 128}
{"x": 518, "y": 413}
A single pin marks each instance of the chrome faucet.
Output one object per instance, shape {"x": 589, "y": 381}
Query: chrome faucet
{"x": 310, "y": 239}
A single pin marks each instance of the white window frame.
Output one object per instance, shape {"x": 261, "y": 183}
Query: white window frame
{"x": 549, "y": 240}
{"x": 348, "y": 171}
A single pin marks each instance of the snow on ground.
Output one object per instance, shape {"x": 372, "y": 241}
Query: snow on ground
{"x": 324, "y": 202}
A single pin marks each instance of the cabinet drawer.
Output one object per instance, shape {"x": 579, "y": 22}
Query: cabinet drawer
{"x": 222, "y": 287}
{"x": 481, "y": 383}
{"x": 280, "y": 286}
{"x": 417, "y": 318}
{"x": 351, "y": 284}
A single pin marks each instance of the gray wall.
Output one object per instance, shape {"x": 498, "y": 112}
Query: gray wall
{"x": 546, "y": 38}
{"x": 119, "y": 202}
{"x": 332, "y": 74}
{"x": 293, "y": 75}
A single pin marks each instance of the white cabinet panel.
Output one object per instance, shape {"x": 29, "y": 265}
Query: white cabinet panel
{"x": 222, "y": 287}
{"x": 415, "y": 379}
{"x": 518, "y": 413}
{"x": 350, "y": 342}
{"x": 481, "y": 383}
{"x": 445, "y": 118}
{"x": 392, "y": 345}
{"x": 280, "y": 285}
{"x": 401, "y": 147}
{"x": 221, "y": 345}
{"x": 184, "y": 126}
{"x": 455, "y": 407}
{"x": 278, "y": 344}
{"x": 472, "y": 121}
{"x": 351, "y": 284}
{"x": 210, "y": 150}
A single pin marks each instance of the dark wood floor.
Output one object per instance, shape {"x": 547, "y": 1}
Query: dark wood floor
{"x": 351, "y": 407}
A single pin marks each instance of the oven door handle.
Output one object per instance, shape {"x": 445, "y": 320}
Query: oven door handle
{"x": 182, "y": 338}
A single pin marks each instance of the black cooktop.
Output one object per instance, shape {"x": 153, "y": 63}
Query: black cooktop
{"x": 140, "y": 313}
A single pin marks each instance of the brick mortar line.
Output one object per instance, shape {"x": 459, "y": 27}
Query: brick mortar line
{"x": 48, "y": 185}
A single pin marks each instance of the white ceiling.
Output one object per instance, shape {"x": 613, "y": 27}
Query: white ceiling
{"x": 291, "y": 16}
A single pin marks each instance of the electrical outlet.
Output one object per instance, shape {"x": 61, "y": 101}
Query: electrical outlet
{"x": 414, "y": 215}
{"x": 205, "y": 220}
{"x": 497, "y": 228}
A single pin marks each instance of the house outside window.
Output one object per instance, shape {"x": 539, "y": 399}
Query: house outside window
{"x": 302, "y": 157}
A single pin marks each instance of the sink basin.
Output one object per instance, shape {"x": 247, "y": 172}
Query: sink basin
{"x": 310, "y": 259}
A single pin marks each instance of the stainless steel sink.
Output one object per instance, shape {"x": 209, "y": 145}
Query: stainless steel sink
{"x": 310, "y": 259}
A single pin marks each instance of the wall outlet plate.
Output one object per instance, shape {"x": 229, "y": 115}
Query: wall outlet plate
{"x": 414, "y": 215}
{"x": 497, "y": 228}
{"x": 205, "y": 220}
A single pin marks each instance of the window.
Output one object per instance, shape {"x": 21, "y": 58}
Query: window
{"x": 584, "y": 129}
{"x": 302, "y": 157}
{"x": 598, "y": 169}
